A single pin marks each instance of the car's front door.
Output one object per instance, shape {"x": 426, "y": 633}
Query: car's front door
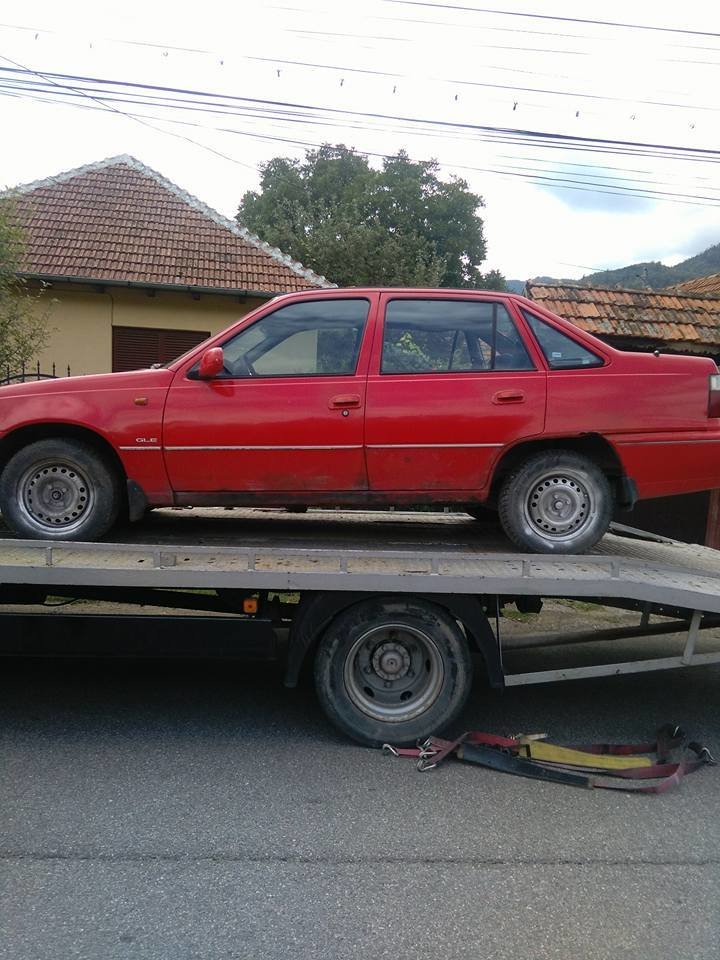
{"x": 451, "y": 382}
{"x": 286, "y": 414}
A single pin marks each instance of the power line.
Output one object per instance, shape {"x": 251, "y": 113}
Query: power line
{"x": 48, "y": 77}
{"x": 547, "y": 16}
{"x": 515, "y": 89}
{"x": 599, "y": 144}
{"x": 528, "y": 173}
{"x": 496, "y": 86}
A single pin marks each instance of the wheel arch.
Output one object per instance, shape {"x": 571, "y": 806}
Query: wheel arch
{"x": 23, "y": 436}
{"x": 317, "y": 611}
{"x": 592, "y": 445}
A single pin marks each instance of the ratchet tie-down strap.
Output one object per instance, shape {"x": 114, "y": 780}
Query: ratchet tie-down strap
{"x": 608, "y": 766}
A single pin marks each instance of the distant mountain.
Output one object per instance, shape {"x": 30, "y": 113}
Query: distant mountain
{"x": 518, "y": 286}
{"x": 639, "y": 276}
{"x": 656, "y": 275}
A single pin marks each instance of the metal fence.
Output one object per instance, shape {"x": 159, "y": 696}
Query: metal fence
{"x": 32, "y": 373}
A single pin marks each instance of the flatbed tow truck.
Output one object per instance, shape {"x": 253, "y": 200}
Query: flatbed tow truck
{"x": 392, "y": 608}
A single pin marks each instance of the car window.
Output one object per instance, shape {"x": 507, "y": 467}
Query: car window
{"x": 561, "y": 351}
{"x": 313, "y": 338}
{"x": 450, "y": 336}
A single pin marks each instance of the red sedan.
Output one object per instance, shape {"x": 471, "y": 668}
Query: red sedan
{"x": 366, "y": 397}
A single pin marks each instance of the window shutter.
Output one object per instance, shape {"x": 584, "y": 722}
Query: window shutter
{"x": 137, "y": 347}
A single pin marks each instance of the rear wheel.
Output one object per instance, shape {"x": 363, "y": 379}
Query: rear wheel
{"x": 59, "y": 490}
{"x": 393, "y": 671}
{"x": 556, "y": 502}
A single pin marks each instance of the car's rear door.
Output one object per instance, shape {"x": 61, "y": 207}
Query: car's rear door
{"x": 287, "y": 413}
{"x": 453, "y": 379}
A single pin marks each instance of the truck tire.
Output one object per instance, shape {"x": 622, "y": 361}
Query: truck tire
{"x": 59, "y": 489}
{"x": 556, "y": 502}
{"x": 393, "y": 670}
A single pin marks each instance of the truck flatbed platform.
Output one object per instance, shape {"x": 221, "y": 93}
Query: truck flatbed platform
{"x": 388, "y": 568}
{"x": 398, "y": 552}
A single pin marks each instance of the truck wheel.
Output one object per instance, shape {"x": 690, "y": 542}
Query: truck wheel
{"x": 59, "y": 490}
{"x": 393, "y": 670}
{"x": 556, "y": 502}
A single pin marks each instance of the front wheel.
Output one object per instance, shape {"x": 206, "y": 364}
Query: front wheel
{"x": 393, "y": 670}
{"x": 59, "y": 489}
{"x": 556, "y": 502}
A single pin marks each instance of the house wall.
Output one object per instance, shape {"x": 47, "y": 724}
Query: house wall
{"x": 81, "y": 320}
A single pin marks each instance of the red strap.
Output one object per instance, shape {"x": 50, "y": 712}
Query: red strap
{"x": 435, "y": 749}
{"x": 668, "y": 737}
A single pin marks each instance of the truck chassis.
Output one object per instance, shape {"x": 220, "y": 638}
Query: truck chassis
{"x": 325, "y": 583}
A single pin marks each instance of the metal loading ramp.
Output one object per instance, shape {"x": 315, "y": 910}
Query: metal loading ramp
{"x": 668, "y": 574}
{"x": 304, "y": 556}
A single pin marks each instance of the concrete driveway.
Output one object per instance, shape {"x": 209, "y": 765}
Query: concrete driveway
{"x": 167, "y": 810}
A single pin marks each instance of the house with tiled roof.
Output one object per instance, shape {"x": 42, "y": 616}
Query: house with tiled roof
{"x": 668, "y": 320}
{"x": 700, "y": 285}
{"x": 138, "y": 270}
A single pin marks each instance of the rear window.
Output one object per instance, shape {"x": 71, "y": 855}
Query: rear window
{"x": 560, "y": 351}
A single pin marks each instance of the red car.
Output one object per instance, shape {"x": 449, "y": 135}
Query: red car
{"x": 367, "y": 397}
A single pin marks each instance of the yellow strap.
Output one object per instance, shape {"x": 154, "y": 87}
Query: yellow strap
{"x": 540, "y": 750}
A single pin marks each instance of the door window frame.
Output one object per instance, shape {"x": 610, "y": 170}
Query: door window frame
{"x": 528, "y": 341}
{"x": 184, "y": 365}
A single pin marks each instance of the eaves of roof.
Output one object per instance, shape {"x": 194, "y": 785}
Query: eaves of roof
{"x": 148, "y": 285}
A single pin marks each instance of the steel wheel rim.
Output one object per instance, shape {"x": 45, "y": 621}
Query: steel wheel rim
{"x": 559, "y": 506}
{"x": 55, "y": 495}
{"x": 394, "y": 672}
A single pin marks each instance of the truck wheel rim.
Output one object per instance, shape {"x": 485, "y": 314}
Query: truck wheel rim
{"x": 55, "y": 495}
{"x": 394, "y": 672}
{"x": 559, "y": 506}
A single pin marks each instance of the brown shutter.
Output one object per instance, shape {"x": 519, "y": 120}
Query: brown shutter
{"x": 137, "y": 347}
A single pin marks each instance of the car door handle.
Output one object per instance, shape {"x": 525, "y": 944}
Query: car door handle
{"x": 343, "y": 401}
{"x": 509, "y": 396}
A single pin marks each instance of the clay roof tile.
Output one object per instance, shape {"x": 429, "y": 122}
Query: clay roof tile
{"x": 120, "y": 220}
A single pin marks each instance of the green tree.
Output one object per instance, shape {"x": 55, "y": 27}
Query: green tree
{"x": 397, "y": 226}
{"x": 23, "y": 321}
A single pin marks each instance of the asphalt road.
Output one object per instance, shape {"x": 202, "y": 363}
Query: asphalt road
{"x": 178, "y": 811}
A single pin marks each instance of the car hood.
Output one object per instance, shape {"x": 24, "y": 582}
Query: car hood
{"x": 134, "y": 380}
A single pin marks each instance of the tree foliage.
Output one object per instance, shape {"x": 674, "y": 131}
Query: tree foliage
{"x": 397, "y": 226}
{"x": 23, "y": 321}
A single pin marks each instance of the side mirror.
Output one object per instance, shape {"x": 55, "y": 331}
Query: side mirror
{"x": 212, "y": 363}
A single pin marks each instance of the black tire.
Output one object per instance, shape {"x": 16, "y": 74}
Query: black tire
{"x": 59, "y": 489}
{"x": 425, "y": 671}
{"x": 556, "y": 502}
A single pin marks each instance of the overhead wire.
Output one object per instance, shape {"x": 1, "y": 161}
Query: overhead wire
{"x": 554, "y": 17}
{"x": 455, "y": 82}
{"x": 106, "y": 93}
{"x": 285, "y": 107}
{"x": 113, "y": 109}
{"x": 527, "y": 173}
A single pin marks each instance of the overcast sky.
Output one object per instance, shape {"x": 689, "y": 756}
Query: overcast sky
{"x": 454, "y": 64}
